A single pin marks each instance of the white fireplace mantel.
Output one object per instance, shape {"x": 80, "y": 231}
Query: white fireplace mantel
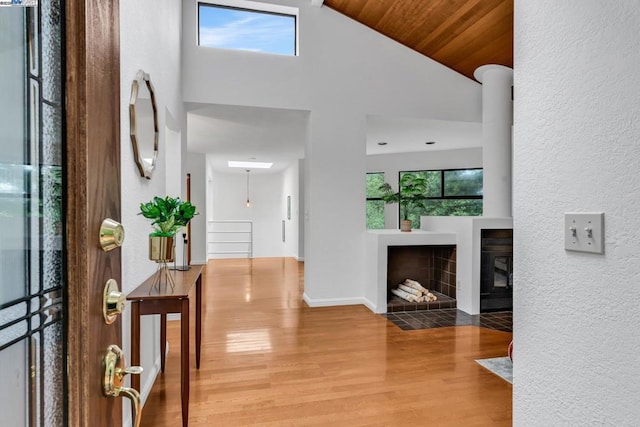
{"x": 378, "y": 242}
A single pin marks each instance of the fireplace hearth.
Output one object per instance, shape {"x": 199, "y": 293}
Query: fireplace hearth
{"x": 433, "y": 266}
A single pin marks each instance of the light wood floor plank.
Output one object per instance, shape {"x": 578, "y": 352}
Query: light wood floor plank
{"x": 269, "y": 360}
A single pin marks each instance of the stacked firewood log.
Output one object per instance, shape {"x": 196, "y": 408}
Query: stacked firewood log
{"x": 412, "y": 291}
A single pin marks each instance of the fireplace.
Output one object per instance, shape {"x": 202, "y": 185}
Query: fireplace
{"x": 433, "y": 266}
{"x": 496, "y": 270}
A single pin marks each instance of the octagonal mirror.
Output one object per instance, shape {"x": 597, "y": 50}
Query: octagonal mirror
{"x": 143, "y": 117}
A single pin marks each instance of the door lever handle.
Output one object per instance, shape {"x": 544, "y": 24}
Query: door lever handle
{"x": 136, "y": 408}
{"x": 112, "y": 383}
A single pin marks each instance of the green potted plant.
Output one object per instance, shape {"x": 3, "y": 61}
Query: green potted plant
{"x": 411, "y": 195}
{"x": 167, "y": 216}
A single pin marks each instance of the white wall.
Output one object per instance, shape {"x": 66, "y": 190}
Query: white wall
{"x": 392, "y": 164}
{"x": 345, "y": 72}
{"x": 576, "y": 133}
{"x": 196, "y": 166}
{"x": 150, "y": 39}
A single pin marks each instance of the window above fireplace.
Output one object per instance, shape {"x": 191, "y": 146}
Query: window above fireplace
{"x": 450, "y": 192}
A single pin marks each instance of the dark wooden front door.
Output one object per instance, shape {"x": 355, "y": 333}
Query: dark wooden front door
{"x": 59, "y": 178}
{"x": 93, "y": 171}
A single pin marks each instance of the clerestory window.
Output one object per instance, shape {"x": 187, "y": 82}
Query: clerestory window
{"x": 272, "y": 30}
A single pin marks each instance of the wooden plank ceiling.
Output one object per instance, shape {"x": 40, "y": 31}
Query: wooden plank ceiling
{"x": 460, "y": 34}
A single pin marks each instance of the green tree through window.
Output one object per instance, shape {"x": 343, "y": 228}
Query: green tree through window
{"x": 456, "y": 192}
{"x": 375, "y": 205}
{"x": 451, "y": 192}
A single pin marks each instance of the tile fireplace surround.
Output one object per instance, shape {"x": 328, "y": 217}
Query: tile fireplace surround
{"x": 433, "y": 266}
{"x": 378, "y": 243}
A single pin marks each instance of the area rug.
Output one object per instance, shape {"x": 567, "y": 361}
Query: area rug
{"x": 501, "y": 366}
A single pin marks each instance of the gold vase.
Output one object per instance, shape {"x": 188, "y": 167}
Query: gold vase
{"x": 161, "y": 249}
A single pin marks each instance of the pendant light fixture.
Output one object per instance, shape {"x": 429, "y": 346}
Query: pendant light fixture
{"x": 248, "y": 201}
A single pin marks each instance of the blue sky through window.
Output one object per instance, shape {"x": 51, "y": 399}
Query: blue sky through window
{"x": 256, "y": 31}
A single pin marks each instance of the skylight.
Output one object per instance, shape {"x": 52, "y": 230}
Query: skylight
{"x": 249, "y": 165}
{"x": 247, "y": 29}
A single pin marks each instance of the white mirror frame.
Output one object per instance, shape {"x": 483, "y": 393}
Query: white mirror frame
{"x": 145, "y": 168}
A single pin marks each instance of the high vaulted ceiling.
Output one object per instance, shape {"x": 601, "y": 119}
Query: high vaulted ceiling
{"x": 460, "y": 34}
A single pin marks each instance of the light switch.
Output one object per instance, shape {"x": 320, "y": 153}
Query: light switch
{"x": 584, "y": 232}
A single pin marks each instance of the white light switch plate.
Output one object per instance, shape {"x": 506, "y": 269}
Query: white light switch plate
{"x": 576, "y": 232}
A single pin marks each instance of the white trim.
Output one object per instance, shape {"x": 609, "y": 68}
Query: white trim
{"x": 317, "y": 3}
{"x": 371, "y": 306}
{"x": 198, "y": 262}
{"x": 325, "y": 302}
{"x": 253, "y": 5}
{"x": 300, "y": 258}
{"x": 148, "y": 385}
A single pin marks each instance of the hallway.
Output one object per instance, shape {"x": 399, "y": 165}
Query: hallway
{"x": 269, "y": 360}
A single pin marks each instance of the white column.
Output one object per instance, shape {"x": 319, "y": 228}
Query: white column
{"x": 497, "y": 121}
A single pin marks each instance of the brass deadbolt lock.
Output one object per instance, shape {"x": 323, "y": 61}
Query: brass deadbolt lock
{"x": 111, "y": 234}
{"x": 112, "y": 301}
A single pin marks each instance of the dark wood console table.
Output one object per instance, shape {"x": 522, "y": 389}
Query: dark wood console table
{"x": 150, "y": 299}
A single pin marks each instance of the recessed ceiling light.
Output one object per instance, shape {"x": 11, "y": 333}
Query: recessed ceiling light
{"x": 382, "y": 143}
{"x": 249, "y": 165}
{"x": 430, "y": 142}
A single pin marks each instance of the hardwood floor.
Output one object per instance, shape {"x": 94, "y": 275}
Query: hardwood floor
{"x": 270, "y": 360}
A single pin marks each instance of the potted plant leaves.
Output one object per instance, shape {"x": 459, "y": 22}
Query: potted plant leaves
{"x": 167, "y": 216}
{"x": 411, "y": 195}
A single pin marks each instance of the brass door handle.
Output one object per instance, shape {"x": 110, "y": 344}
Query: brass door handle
{"x": 112, "y": 383}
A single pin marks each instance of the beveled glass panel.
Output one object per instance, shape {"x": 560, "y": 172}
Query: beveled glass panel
{"x": 9, "y": 315}
{"x": 12, "y": 136}
{"x": 14, "y": 379}
{"x": 31, "y": 216}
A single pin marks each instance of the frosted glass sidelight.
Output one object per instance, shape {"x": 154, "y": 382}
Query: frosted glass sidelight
{"x": 51, "y": 47}
{"x": 52, "y": 374}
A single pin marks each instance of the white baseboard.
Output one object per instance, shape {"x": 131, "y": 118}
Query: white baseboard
{"x": 173, "y": 316}
{"x": 300, "y": 258}
{"x": 148, "y": 385}
{"x": 198, "y": 262}
{"x": 371, "y": 306}
{"x": 329, "y": 302}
